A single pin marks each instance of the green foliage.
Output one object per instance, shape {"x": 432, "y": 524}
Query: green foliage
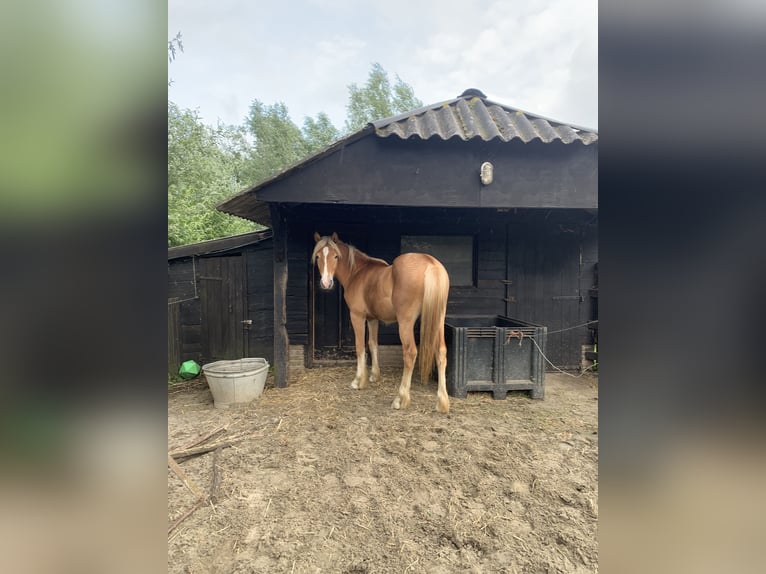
{"x": 277, "y": 141}
{"x": 319, "y": 133}
{"x": 209, "y": 165}
{"x": 377, "y": 99}
{"x": 204, "y": 165}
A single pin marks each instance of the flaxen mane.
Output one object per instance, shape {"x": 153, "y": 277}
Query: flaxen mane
{"x": 353, "y": 252}
{"x": 324, "y": 242}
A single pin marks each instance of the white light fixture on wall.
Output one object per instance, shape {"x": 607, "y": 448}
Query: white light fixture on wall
{"x": 486, "y": 173}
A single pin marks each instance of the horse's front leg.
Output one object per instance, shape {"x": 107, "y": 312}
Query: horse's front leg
{"x": 372, "y": 327}
{"x": 360, "y": 380}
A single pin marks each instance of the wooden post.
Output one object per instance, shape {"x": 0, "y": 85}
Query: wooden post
{"x": 174, "y": 337}
{"x": 281, "y": 340}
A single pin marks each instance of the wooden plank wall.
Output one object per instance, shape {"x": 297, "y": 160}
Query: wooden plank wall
{"x": 259, "y": 285}
{"x": 221, "y": 286}
{"x": 181, "y": 288}
{"x": 422, "y": 175}
{"x": 260, "y": 299}
{"x": 298, "y": 269}
{"x": 191, "y": 330}
{"x": 550, "y": 257}
{"x": 181, "y": 279}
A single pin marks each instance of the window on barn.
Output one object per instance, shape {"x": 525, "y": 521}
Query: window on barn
{"x": 454, "y": 251}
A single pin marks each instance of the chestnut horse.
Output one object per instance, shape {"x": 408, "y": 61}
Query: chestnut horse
{"x": 414, "y": 284}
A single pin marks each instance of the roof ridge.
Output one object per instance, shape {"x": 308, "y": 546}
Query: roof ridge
{"x": 479, "y": 118}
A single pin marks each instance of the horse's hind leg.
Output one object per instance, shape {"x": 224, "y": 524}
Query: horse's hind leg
{"x": 441, "y": 365}
{"x": 372, "y": 327}
{"x": 410, "y": 352}
{"x": 360, "y": 380}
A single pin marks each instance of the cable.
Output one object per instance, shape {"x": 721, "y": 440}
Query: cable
{"x": 555, "y": 367}
{"x": 570, "y": 328}
{"x": 173, "y": 302}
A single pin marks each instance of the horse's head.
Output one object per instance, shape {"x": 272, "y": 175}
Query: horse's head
{"x": 327, "y": 255}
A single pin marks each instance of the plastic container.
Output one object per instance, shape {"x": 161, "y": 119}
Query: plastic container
{"x": 494, "y": 353}
{"x": 237, "y": 381}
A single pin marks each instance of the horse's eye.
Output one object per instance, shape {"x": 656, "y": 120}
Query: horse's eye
{"x": 336, "y": 257}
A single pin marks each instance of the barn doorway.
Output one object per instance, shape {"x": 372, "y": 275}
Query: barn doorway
{"x": 222, "y": 307}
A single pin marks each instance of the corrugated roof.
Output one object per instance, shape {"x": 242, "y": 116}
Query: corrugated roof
{"x": 213, "y": 246}
{"x": 472, "y": 116}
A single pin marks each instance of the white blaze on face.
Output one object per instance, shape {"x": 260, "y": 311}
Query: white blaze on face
{"x": 326, "y": 277}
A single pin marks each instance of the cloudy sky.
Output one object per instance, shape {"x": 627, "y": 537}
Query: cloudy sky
{"x": 540, "y": 56}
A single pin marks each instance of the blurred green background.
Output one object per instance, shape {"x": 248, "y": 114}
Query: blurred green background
{"x": 80, "y": 84}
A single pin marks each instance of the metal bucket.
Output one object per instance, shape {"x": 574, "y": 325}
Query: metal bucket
{"x": 236, "y": 381}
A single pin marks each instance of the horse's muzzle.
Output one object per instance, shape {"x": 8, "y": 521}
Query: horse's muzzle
{"x": 327, "y": 285}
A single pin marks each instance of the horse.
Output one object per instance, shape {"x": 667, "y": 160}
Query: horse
{"x": 414, "y": 285}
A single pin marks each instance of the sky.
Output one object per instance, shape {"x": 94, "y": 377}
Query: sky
{"x": 540, "y": 56}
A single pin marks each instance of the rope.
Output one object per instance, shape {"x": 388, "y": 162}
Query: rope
{"x": 570, "y": 328}
{"x": 555, "y": 367}
{"x": 517, "y": 334}
{"x": 174, "y": 301}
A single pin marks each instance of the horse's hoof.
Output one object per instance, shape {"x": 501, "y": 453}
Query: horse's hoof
{"x": 400, "y": 403}
{"x": 355, "y": 385}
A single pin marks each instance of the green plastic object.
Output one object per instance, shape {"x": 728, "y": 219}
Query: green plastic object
{"x": 189, "y": 370}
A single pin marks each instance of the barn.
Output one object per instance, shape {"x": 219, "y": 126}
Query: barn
{"x": 506, "y": 199}
{"x": 220, "y": 299}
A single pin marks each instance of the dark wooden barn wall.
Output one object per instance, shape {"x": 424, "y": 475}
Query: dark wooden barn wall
{"x": 531, "y": 265}
{"x": 191, "y": 330}
{"x": 547, "y": 266}
{"x": 260, "y": 299}
{"x": 221, "y": 284}
{"x": 550, "y": 259}
{"x": 487, "y": 297}
{"x": 259, "y": 302}
{"x": 384, "y": 172}
{"x": 181, "y": 279}
{"x": 181, "y": 288}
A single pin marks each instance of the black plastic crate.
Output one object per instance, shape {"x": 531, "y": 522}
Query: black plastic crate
{"x": 494, "y": 353}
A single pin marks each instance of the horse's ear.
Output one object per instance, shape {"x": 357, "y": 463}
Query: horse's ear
{"x": 335, "y": 237}
{"x": 317, "y": 237}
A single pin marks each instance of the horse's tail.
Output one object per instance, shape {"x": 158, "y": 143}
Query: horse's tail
{"x": 432, "y": 317}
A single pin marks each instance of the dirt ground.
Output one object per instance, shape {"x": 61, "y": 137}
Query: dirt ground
{"x": 328, "y": 479}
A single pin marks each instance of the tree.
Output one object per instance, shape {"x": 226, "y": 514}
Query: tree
{"x": 277, "y": 141}
{"x": 174, "y": 46}
{"x": 204, "y": 167}
{"x": 208, "y": 165}
{"x": 320, "y": 132}
{"x": 377, "y": 99}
